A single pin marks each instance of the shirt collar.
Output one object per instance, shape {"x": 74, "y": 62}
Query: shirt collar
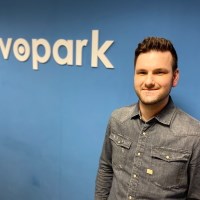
{"x": 166, "y": 114}
{"x": 136, "y": 111}
{"x": 164, "y": 117}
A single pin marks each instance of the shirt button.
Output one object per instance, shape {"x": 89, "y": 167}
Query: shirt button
{"x": 120, "y": 166}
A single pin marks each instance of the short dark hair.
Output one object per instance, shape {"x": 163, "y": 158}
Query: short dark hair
{"x": 157, "y": 44}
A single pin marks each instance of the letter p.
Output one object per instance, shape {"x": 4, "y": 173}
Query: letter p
{"x": 37, "y": 58}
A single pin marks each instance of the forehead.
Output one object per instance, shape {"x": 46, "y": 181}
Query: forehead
{"x": 156, "y": 59}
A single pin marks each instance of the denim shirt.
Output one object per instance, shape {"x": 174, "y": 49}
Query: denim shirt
{"x": 158, "y": 160}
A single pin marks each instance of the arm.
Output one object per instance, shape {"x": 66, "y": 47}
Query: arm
{"x": 194, "y": 174}
{"x": 105, "y": 171}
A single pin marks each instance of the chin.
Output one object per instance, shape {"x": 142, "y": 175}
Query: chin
{"x": 149, "y": 102}
{"x": 153, "y": 100}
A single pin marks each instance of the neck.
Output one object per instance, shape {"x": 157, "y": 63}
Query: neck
{"x": 148, "y": 111}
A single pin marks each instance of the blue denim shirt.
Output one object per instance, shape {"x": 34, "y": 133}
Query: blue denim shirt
{"x": 158, "y": 160}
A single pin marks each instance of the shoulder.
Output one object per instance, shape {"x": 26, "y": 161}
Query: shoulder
{"x": 185, "y": 124}
{"x": 124, "y": 113}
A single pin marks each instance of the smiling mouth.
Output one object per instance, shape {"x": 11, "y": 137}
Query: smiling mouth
{"x": 149, "y": 90}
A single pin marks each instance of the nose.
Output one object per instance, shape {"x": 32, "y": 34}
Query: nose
{"x": 149, "y": 81}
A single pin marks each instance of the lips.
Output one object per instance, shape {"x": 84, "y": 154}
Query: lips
{"x": 149, "y": 92}
{"x": 150, "y": 89}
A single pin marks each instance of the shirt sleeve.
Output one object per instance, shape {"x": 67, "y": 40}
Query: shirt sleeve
{"x": 105, "y": 171}
{"x": 194, "y": 173}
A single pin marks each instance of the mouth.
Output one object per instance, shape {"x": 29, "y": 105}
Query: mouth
{"x": 150, "y": 91}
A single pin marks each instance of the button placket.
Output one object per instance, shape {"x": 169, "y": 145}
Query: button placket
{"x": 138, "y": 160}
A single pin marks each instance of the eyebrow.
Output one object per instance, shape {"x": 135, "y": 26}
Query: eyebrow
{"x": 160, "y": 69}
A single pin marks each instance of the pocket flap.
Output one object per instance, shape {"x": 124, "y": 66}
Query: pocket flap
{"x": 120, "y": 140}
{"x": 170, "y": 155}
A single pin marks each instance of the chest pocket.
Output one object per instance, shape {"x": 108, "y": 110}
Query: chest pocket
{"x": 169, "y": 167}
{"x": 120, "y": 148}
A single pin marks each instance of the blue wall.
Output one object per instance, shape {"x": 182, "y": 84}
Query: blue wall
{"x": 52, "y": 121}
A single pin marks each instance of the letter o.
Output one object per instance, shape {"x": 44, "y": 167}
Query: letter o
{"x": 21, "y": 49}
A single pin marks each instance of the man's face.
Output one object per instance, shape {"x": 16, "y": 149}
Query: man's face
{"x": 154, "y": 77}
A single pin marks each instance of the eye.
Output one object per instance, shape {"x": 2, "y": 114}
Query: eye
{"x": 161, "y": 72}
{"x": 141, "y": 72}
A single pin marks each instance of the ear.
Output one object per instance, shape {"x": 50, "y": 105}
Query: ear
{"x": 175, "y": 78}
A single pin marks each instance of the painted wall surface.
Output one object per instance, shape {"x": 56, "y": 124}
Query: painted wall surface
{"x": 53, "y": 120}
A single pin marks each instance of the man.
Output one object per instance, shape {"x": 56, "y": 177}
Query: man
{"x": 152, "y": 148}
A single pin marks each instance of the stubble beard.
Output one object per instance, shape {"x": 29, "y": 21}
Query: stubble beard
{"x": 152, "y": 100}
